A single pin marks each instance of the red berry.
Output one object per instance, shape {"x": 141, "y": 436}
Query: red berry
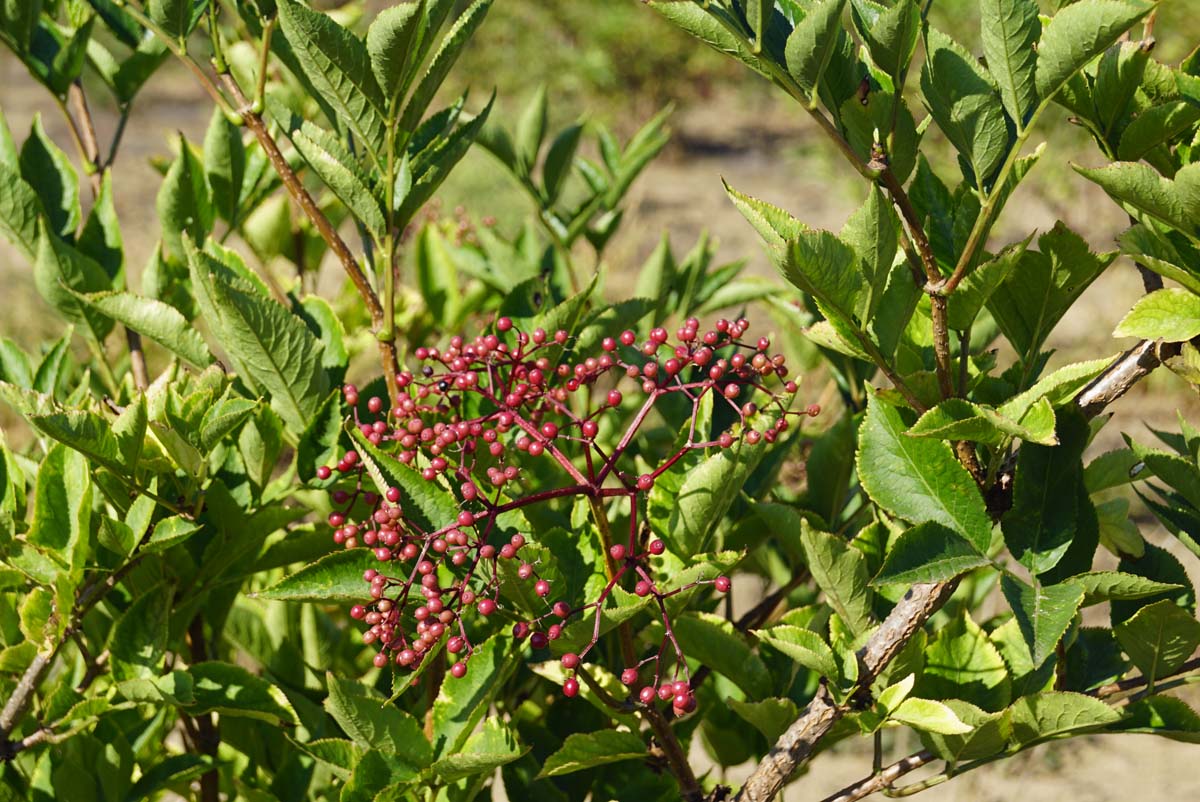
{"x": 520, "y": 630}
{"x": 590, "y": 428}
{"x": 629, "y": 677}
{"x": 657, "y": 547}
{"x": 562, "y": 609}
{"x": 466, "y": 518}
{"x": 392, "y": 494}
{"x": 458, "y": 670}
{"x": 455, "y": 645}
{"x": 549, "y": 430}
{"x": 666, "y": 692}
{"x": 642, "y": 588}
{"x": 617, "y": 552}
{"x": 570, "y": 660}
{"x": 647, "y": 694}
{"x": 486, "y": 607}
{"x": 571, "y": 688}
{"x": 645, "y": 482}
{"x": 357, "y": 612}
{"x": 538, "y": 640}
{"x": 374, "y": 404}
{"x": 323, "y": 472}
{"x": 504, "y": 324}
{"x": 614, "y": 398}
{"x": 722, "y": 584}
{"x": 541, "y": 588}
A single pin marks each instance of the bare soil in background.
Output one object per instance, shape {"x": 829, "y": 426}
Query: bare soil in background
{"x": 771, "y": 153}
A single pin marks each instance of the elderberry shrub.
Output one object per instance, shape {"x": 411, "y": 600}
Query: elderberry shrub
{"x": 474, "y": 416}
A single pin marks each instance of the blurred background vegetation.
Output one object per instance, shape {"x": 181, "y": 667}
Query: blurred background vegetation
{"x": 617, "y": 63}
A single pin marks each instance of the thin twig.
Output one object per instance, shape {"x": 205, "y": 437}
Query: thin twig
{"x": 882, "y": 778}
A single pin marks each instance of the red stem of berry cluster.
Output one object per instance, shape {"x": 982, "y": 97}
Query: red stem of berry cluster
{"x": 473, "y": 418}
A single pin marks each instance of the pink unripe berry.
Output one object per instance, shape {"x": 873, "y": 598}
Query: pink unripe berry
{"x": 357, "y": 612}
{"x": 617, "y": 552}
{"x": 374, "y": 404}
{"x": 645, "y": 482}
{"x": 657, "y": 547}
{"x": 466, "y": 518}
{"x": 541, "y": 588}
{"x": 642, "y": 588}
{"x": 504, "y": 324}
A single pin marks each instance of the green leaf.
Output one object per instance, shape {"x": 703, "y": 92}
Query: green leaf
{"x": 559, "y": 158}
{"x": 1156, "y": 126}
{"x": 338, "y": 66}
{"x": 462, "y": 704}
{"x": 1077, "y": 34}
{"x": 20, "y": 211}
{"x": 531, "y": 130}
{"x": 1163, "y": 715}
{"x": 1159, "y": 638}
{"x": 707, "y": 492}
{"x": 961, "y": 663}
{"x": 436, "y": 162}
{"x": 717, "y": 644}
{"x": 184, "y": 202}
{"x": 62, "y": 507}
{"x": 139, "y": 638}
{"x": 1175, "y": 202}
{"x": 928, "y": 552}
{"x": 170, "y": 772}
{"x": 85, "y": 432}
{"x": 153, "y": 319}
{"x": 871, "y": 232}
{"x": 175, "y": 17}
{"x": 1044, "y": 285}
{"x": 802, "y": 645}
{"x": 426, "y": 504}
{"x": 439, "y": 66}
{"x": 338, "y": 171}
{"x": 1010, "y": 30}
{"x": 771, "y": 717}
{"x": 335, "y": 578}
{"x": 918, "y": 479}
{"x": 1044, "y": 715}
{"x": 706, "y": 24}
{"x": 959, "y": 419}
{"x": 587, "y": 750}
{"x": 390, "y": 45}
{"x": 273, "y": 349}
{"x": 1041, "y": 524}
{"x": 989, "y": 733}
{"x": 48, "y": 171}
{"x": 170, "y": 532}
{"x": 1102, "y": 586}
{"x": 100, "y": 239}
{"x": 812, "y": 42}
{"x": 1169, "y": 314}
{"x": 1043, "y": 613}
{"x": 224, "y": 165}
{"x": 826, "y": 268}
{"x": 59, "y": 271}
{"x": 1058, "y": 387}
{"x": 487, "y": 750}
{"x": 961, "y": 96}
{"x": 890, "y": 32}
{"x": 773, "y": 224}
{"x": 233, "y": 691}
{"x": 371, "y": 722}
{"x": 964, "y": 305}
{"x": 927, "y": 715}
{"x": 841, "y": 572}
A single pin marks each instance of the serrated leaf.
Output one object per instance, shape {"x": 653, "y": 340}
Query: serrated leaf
{"x": 233, "y": 691}
{"x": 964, "y": 305}
{"x": 426, "y": 504}
{"x": 714, "y": 642}
{"x": 439, "y": 66}
{"x": 1175, "y": 202}
{"x": 1058, "y": 387}
{"x": 60, "y": 271}
{"x": 48, "y": 171}
{"x": 1168, "y": 314}
{"x": 493, "y": 746}
{"x": 153, "y": 319}
{"x": 335, "y": 578}
{"x": 1010, "y": 30}
{"x": 826, "y": 268}
{"x": 802, "y": 645}
{"x": 927, "y": 715}
{"x": 771, "y": 717}
{"x": 337, "y": 64}
{"x": 1043, "y": 613}
{"x": 62, "y": 507}
{"x": 339, "y": 171}
{"x": 139, "y": 637}
{"x": 274, "y": 351}
{"x": 1163, "y": 715}
{"x": 390, "y": 45}
{"x": 1077, "y": 34}
{"x": 1102, "y": 586}
{"x": 462, "y": 704}
{"x": 707, "y": 492}
{"x": 918, "y": 479}
{"x": 961, "y": 663}
{"x": 1050, "y": 713}
{"x": 224, "y": 165}
{"x": 587, "y": 750}
{"x": 841, "y": 572}
{"x": 812, "y": 42}
{"x": 371, "y": 722}
{"x": 871, "y": 233}
{"x": 928, "y": 552}
{"x": 959, "y": 419}
{"x": 1159, "y": 638}
{"x": 20, "y": 210}
{"x": 772, "y": 223}
{"x": 184, "y": 201}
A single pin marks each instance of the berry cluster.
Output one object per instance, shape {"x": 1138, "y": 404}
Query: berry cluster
{"x": 473, "y": 419}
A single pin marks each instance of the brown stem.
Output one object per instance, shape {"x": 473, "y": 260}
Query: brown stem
{"x": 85, "y": 131}
{"x": 207, "y": 737}
{"x": 882, "y": 779}
{"x": 689, "y": 787}
{"x": 383, "y": 328}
